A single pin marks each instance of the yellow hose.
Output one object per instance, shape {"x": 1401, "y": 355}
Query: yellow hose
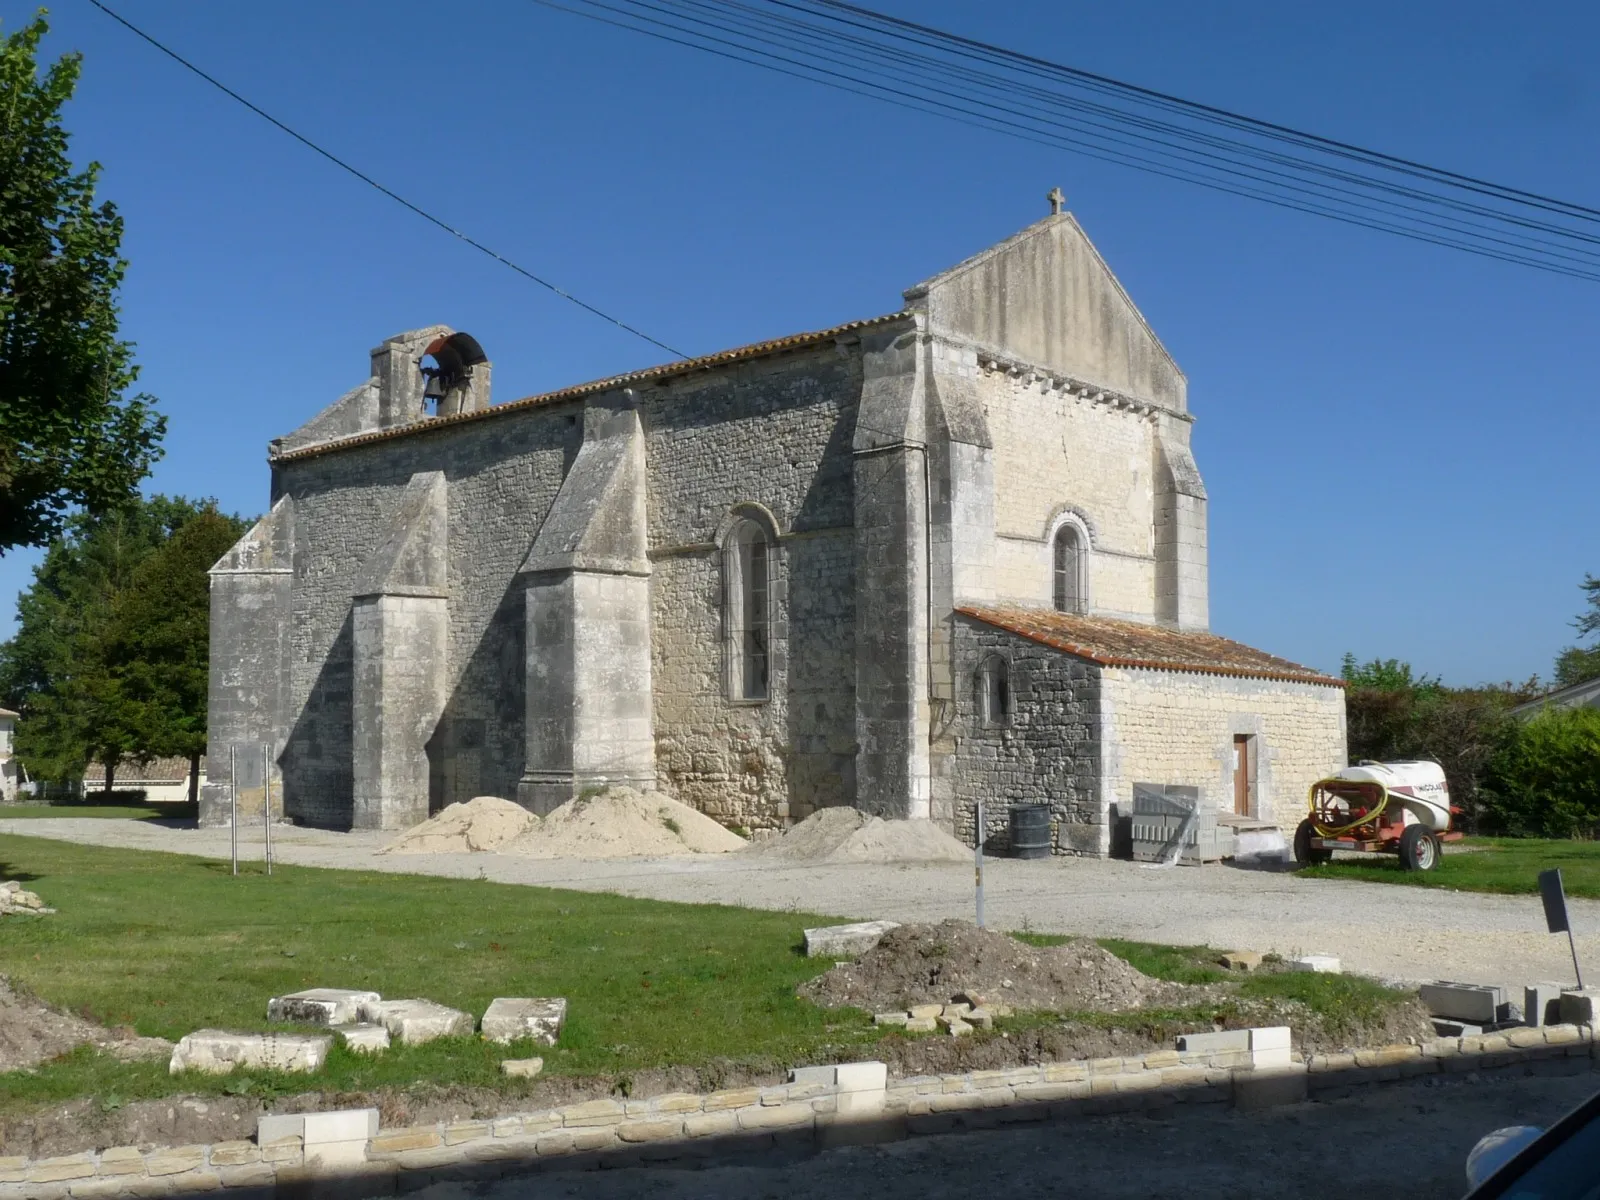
{"x": 1337, "y": 830}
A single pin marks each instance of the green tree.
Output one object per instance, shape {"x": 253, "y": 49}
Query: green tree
{"x": 60, "y": 670}
{"x": 69, "y": 436}
{"x": 160, "y": 638}
{"x": 1545, "y": 780}
{"x": 1578, "y": 664}
{"x": 1392, "y": 714}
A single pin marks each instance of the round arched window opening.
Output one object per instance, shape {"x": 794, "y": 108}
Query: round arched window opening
{"x": 747, "y": 590}
{"x": 1070, "y": 585}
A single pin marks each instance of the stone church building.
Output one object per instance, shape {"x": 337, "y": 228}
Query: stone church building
{"x": 953, "y": 551}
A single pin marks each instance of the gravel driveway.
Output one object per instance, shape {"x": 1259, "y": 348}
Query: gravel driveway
{"x": 1400, "y": 933}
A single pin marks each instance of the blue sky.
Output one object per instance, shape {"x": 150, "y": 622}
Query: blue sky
{"x": 1398, "y": 440}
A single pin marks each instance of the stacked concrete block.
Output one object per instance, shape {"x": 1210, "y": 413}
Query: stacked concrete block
{"x": 414, "y": 1022}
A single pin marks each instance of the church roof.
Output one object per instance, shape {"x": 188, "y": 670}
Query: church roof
{"x": 795, "y": 341}
{"x": 1116, "y": 643}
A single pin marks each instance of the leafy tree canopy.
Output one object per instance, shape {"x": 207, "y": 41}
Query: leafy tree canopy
{"x": 69, "y": 436}
{"x": 112, "y": 636}
{"x": 1578, "y": 664}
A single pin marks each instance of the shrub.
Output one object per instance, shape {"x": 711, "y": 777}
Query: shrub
{"x": 1545, "y": 779}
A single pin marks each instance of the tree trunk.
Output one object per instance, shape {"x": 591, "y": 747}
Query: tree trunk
{"x": 194, "y": 779}
{"x": 111, "y": 776}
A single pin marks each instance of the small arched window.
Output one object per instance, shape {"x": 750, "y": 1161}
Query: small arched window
{"x": 994, "y": 692}
{"x": 747, "y": 575}
{"x": 1069, "y": 563}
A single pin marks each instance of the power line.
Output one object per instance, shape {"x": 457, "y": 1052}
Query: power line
{"x": 853, "y": 49}
{"x": 373, "y": 183}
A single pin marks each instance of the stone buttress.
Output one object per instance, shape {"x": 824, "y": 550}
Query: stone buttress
{"x": 248, "y": 697}
{"x": 588, "y": 620}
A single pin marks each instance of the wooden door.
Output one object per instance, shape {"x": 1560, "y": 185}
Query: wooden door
{"x": 1241, "y": 774}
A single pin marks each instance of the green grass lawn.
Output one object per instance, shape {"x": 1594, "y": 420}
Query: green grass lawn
{"x": 169, "y": 944}
{"x": 1507, "y": 865}
{"x": 23, "y": 812}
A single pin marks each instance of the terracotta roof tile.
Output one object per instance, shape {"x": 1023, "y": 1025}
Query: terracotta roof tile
{"x": 1116, "y": 643}
{"x": 685, "y": 366}
{"x": 157, "y": 770}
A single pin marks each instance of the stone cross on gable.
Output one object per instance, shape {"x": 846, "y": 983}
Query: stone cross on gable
{"x": 1056, "y": 201}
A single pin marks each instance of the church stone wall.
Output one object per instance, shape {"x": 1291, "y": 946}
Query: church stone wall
{"x": 502, "y": 477}
{"x": 1047, "y": 752}
{"x": 1178, "y": 727}
{"x": 775, "y": 434}
{"x": 1054, "y": 450}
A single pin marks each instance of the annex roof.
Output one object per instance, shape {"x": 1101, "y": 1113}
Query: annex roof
{"x": 1117, "y": 643}
{"x": 795, "y": 341}
{"x": 157, "y": 770}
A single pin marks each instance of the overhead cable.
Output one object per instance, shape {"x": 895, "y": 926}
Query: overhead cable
{"x": 373, "y": 183}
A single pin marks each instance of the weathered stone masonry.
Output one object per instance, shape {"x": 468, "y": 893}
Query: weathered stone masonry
{"x": 530, "y": 599}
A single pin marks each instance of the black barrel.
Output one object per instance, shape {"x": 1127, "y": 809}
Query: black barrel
{"x": 1030, "y": 831}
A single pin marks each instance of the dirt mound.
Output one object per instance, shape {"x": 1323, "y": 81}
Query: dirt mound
{"x": 847, "y": 835}
{"x": 478, "y": 825}
{"x": 623, "y": 823}
{"x": 928, "y": 964}
{"x": 32, "y": 1032}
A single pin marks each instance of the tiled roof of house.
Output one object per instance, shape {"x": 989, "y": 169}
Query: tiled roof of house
{"x": 157, "y": 770}
{"x": 794, "y": 341}
{"x": 1116, "y": 643}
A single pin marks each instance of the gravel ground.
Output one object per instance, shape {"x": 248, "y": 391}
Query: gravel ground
{"x": 1410, "y": 1140}
{"x": 1392, "y": 932}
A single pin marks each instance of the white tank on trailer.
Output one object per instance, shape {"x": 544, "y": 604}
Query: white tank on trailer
{"x": 1419, "y": 787}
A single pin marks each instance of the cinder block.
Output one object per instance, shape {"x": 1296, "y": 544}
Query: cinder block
{"x": 826, "y": 1076}
{"x": 274, "y": 1127}
{"x": 1270, "y": 1047}
{"x": 862, "y": 1076}
{"x": 346, "y": 1125}
{"x": 1578, "y": 1006}
{"x": 1474, "y": 1002}
{"x": 1214, "y": 1043}
{"x": 1321, "y": 964}
{"x": 1541, "y": 1004}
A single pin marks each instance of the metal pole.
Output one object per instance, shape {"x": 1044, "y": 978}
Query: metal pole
{"x": 233, "y": 796}
{"x": 266, "y": 805}
{"x": 977, "y": 858}
{"x": 1577, "y": 970}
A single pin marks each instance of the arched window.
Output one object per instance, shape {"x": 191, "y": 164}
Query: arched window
{"x": 747, "y": 575}
{"x": 994, "y": 691}
{"x": 1069, "y": 563}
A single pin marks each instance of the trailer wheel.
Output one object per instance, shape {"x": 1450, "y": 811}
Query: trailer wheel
{"x": 1419, "y": 849}
{"x": 1304, "y": 853}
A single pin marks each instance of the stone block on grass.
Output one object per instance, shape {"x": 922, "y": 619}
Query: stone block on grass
{"x": 217, "y": 1052}
{"x": 1242, "y": 960}
{"x": 509, "y": 1018}
{"x": 846, "y": 941}
{"x": 415, "y": 1021}
{"x": 320, "y": 1006}
{"x": 890, "y": 1018}
{"x": 362, "y": 1037}
{"x": 521, "y": 1068}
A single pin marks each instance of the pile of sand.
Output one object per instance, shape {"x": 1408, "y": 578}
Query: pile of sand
{"x": 847, "y": 835}
{"x": 623, "y": 823}
{"x": 933, "y": 964}
{"x": 481, "y": 824}
{"x": 32, "y": 1032}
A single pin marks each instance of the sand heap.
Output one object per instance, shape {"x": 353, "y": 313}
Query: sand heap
{"x": 478, "y": 825}
{"x": 31, "y": 1032}
{"x": 934, "y": 964}
{"x": 623, "y": 823}
{"x": 847, "y": 835}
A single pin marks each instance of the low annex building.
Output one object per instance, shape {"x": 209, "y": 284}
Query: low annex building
{"x": 956, "y": 550}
